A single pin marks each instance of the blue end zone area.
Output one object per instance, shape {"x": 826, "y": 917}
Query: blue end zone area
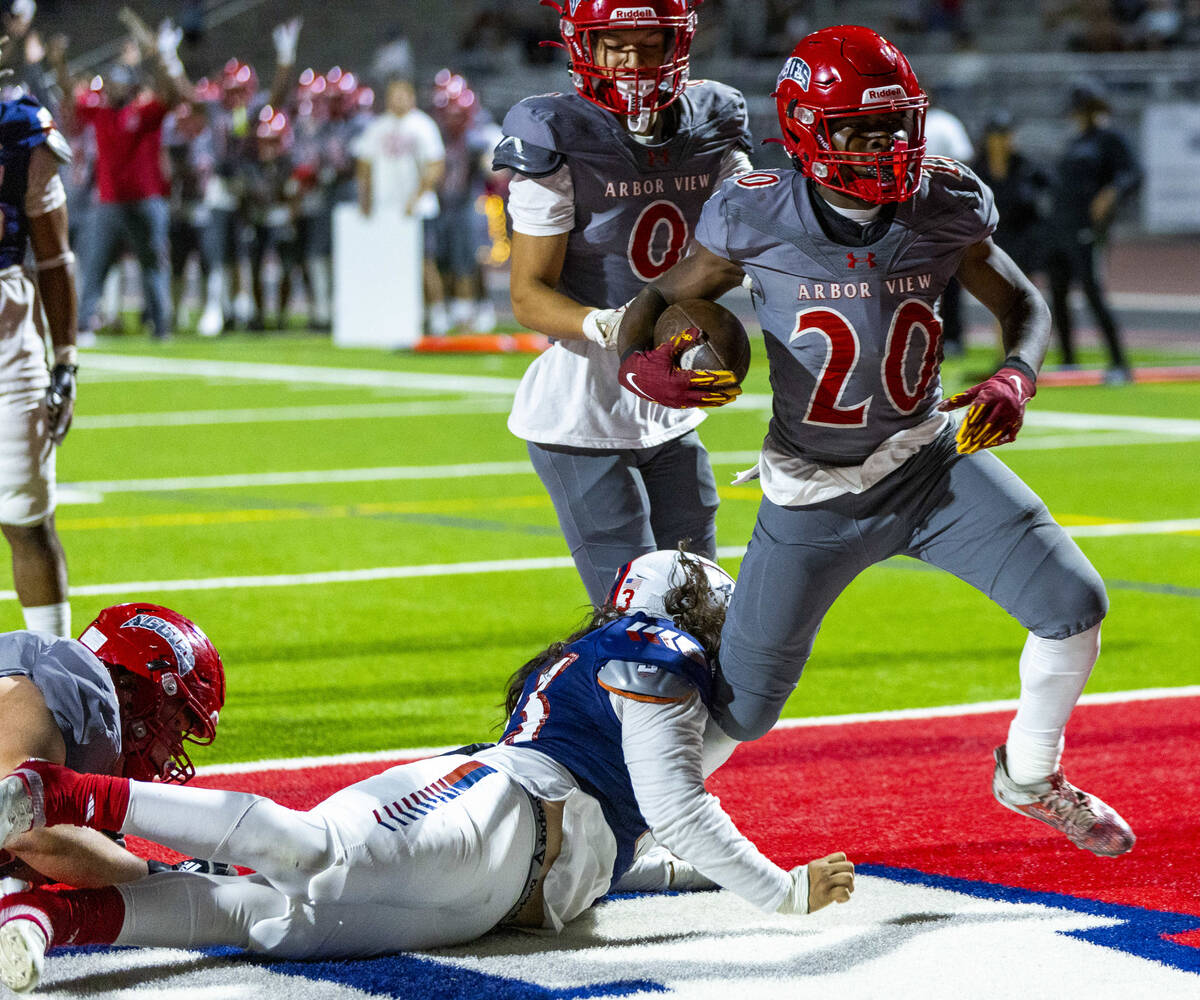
{"x": 1142, "y": 932}
{"x": 405, "y": 976}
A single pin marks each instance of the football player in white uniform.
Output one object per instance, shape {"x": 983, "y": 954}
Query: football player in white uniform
{"x": 597, "y": 784}
{"x": 36, "y": 404}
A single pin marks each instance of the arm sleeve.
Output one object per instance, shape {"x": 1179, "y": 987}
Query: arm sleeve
{"x": 662, "y": 744}
{"x": 44, "y": 191}
{"x": 542, "y": 206}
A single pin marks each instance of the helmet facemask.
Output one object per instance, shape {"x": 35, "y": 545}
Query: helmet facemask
{"x": 636, "y": 94}
{"x": 818, "y": 138}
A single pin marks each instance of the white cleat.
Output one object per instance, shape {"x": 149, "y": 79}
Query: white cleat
{"x": 1085, "y": 820}
{"x": 22, "y": 954}
{"x": 212, "y": 321}
{"x": 16, "y": 809}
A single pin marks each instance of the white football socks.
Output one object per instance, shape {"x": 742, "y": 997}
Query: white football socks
{"x": 55, "y": 618}
{"x": 1053, "y": 675}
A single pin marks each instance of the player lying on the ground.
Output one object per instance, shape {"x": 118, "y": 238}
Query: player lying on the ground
{"x": 602, "y": 755}
{"x": 120, "y": 700}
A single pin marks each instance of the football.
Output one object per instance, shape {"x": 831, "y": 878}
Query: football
{"x": 723, "y": 341}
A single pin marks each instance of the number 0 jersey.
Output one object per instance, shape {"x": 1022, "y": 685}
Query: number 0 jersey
{"x": 635, "y": 211}
{"x": 565, "y": 711}
{"x": 852, "y": 332}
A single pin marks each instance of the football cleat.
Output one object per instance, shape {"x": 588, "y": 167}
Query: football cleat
{"x": 16, "y": 808}
{"x": 22, "y": 954}
{"x": 1085, "y": 820}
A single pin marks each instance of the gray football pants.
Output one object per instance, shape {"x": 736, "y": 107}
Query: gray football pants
{"x": 967, "y": 514}
{"x": 615, "y": 505}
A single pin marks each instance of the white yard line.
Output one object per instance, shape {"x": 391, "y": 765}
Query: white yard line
{"x": 484, "y": 567}
{"x": 894, "y": 715}
{"x": 282, "y": 414}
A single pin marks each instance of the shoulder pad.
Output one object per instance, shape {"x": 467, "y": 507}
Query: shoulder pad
{"x": 643, "y": 681}
{"x": 525, "y": 158}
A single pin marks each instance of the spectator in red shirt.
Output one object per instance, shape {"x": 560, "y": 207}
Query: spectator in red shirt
{"x": 127, "y": 119}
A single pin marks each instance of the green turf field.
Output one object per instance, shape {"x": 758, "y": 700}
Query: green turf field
{"x": 402, "y": 464}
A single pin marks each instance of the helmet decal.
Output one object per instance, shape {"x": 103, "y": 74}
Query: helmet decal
{"x": 796, "y": 69}
{"x": 185, "y": 658}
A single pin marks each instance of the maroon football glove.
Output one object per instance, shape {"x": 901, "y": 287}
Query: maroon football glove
{"x": 997, "y": 408}
{"x": 654, "y": 375}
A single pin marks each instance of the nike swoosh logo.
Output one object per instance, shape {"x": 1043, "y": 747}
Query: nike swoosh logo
{"x": 1019, "y": 384}
{"x": 637, "y": 389}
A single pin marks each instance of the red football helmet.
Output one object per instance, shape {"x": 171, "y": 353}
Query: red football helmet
{"x": 837, "y": 75}
{"x": 634, "y": 93}
{"x": 170, "y": 686}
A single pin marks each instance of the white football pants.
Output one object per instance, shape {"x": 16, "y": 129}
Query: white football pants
{"x": 424, "y": 854}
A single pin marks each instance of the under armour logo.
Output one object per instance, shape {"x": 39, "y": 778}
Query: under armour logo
{"x": 658, "y": 158}
{"x": 853, "y": 260}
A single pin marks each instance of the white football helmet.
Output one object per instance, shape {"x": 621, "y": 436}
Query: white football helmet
{"x": 642, "y": 584}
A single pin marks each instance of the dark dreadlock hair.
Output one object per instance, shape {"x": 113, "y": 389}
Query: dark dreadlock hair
{"x": 691, "y": 603}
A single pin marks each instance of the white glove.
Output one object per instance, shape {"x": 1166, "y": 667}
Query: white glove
{"x": 285, "y": 36}
{"x": 601, "y": 326}
{"x": 167, "y": 42}
{"x": 796, "y": 901}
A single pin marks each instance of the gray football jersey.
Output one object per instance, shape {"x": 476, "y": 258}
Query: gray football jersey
{"x": 852, "y": 333}
{"x": 636, "y": 206}
{"x": 79, "y": 694}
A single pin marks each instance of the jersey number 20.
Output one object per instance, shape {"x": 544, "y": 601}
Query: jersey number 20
{"x": 826, "y": 407}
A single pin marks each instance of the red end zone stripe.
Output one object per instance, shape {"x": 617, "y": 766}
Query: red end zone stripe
{"x": 917, "y": 794}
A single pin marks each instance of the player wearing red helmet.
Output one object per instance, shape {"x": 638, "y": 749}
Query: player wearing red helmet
{"x": 853, "y": 115}
{"x": 634, "y": 89}
{"x": 846, "y": 257}
{"x": 608, "y": 186}
{"x": 123, "y": 699}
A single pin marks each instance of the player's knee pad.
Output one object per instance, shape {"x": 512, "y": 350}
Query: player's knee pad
{"x": 1049, "y": 586}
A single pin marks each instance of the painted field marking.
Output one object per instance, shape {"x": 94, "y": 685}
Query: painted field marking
{"x": 295, "y": 414}
{"x": 424, "y": 571}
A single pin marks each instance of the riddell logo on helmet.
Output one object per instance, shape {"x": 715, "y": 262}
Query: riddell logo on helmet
{"x": 893, "y": 93}
{"x": 184, "y": 657}
{"x": 632, "y": 13}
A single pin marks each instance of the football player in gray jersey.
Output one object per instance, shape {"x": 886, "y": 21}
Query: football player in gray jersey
{"x": 119, "y": 700}
{"x": 608, "y": 187}
{"x": 847, "y": 256}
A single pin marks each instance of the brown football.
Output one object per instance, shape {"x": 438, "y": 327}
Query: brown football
{"x": 723, "y": 340}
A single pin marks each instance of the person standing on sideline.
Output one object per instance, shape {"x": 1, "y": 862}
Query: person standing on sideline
{"x": 1096, "y": 173}
{"x": 38, "y": 402}
{"x": 607, "y": 187}
{"x": 862, "y": 461}
{"x": 399, "y": 163}
{"x": 597, "y": 785}
{"x": 127, "y": 120}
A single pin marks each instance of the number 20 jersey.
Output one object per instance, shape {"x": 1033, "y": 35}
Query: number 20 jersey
{"x": 852, "y": 333}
